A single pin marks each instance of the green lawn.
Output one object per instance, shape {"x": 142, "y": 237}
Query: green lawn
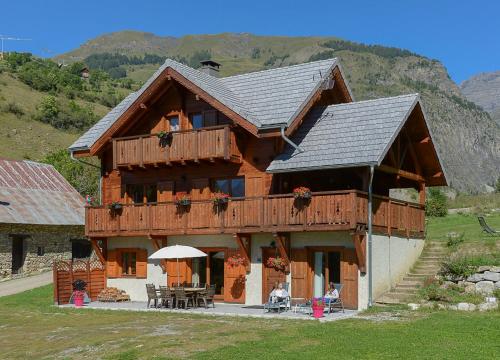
{"x": 30, "y": 327}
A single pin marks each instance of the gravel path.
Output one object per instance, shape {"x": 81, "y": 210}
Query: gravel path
{"x": 15, "y": 286}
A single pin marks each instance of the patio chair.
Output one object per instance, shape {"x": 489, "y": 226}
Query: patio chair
{"x": 152, "y": 295}
{"x": 182, "y": 297}
{"x": 333, "y": 303}
{"x": 166, "y": 296}
{"x": 486, "y": 228}
{"x": 206, "y": 296}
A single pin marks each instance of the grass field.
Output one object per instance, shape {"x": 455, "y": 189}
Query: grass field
{"x": 30, "y": 327}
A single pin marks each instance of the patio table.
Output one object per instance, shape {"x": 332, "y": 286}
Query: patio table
{"x": 194, "y": 291}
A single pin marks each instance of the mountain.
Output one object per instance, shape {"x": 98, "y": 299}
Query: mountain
{"x": 467, "y": 138}
{"x": 484, "y": 90}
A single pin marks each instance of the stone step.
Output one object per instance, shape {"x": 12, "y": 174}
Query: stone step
{"x": 408, "y": 285}
{"x": 403, "y": 290}
{"x": 387, "y": 300}
{"x": 426, "y": 266}
{"x": 432, "y": 258}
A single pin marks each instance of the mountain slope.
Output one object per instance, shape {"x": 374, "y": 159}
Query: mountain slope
{"x": 484, "y": 90}
{"x": 468, "y": 140}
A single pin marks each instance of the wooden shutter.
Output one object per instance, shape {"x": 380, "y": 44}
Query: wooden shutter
{"x": 201, "y": 190}
{"x": 210, "y": 118}
{"x": 141, "y": 264}
{"x": 112, "y": 264}
{"x": 349, "y": 278}
{"x": 234, "y": 279}
{"x": 184, "y": 271}
{"x": 165, "y": 191}
{"x": 299, "y": 269}
{"x": 254, "y": 185}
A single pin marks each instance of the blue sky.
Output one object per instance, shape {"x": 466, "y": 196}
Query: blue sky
{"x": 464, "y": 35}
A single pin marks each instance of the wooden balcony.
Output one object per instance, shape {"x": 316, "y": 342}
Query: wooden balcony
{"x": 209, "y": 144}
{"x": 326, "y": 211}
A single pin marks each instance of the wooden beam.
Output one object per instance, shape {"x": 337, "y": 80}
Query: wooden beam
{"x": 245, "y": 248}
{"x": 360, "y": 245}
{"x": 157, "y": 246}
{"x": 98, "y": 251}
{"x": 280, "y": 239}
{"x": 413, "y": 155}
{"x": 421, "y": 193}
{"x": 402, "y": 173}
{"x": 425, "y": 140}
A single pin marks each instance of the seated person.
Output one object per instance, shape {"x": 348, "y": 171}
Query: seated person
{"x": 278, "y": 294}
{"x": 331, "y": 294}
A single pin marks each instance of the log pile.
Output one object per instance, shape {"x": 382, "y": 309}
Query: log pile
{"x": 112, "y": 294}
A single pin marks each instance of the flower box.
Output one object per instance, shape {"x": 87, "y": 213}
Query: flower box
{"x": 220, "y": 198}
{"x": 183, "y": 201}
{"x": 302, "y": 192}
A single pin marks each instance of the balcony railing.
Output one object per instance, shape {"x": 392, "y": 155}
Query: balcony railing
{"x": 339, "y": 210}
{"x": 209, "y": 143}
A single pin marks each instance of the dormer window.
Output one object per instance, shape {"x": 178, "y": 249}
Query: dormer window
{"x": 174, "y": 123}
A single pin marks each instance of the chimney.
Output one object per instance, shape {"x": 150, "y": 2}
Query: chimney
{"x": 210, "y": 67}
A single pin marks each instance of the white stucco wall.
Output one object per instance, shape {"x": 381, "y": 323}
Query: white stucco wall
{"x": 136, "y": 288}
{"x": 392, "y": 259}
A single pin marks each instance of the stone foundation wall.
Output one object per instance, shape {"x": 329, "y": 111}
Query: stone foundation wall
{"x": 55, "y": 243}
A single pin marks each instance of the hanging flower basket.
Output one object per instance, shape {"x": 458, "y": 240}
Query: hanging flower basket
{"x": 165, "y": 138}
{"x": 302, "y": 192}
{"x": 115, "y": 205}
{"x": 236, "y": 260}
{"x": 220, "y": 198}
{"x": 183, "y": 201}
{"x": 276, "y": 262}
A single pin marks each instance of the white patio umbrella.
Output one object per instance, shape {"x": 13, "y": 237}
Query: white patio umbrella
{"x": 177, "y": 252}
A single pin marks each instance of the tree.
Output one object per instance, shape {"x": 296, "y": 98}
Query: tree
{"x": 84, "y": 178}
{"x": 48, "y": 110}
{"x": 436, "y": 204}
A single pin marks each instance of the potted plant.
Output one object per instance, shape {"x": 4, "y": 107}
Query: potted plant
{"x": 302, "y": 192}
{"x": 78, "y": 292}
{"x": 220, "y": 198}
{"x": 165, "y": 137}
{"x": 235, "y": 260}
{"x": 276, "y": 262}
{"x": 89, "y": 200}
{"x": 318, "y": 307}
{"x": 183, "y": 200}
{"x": 115, "y": 206}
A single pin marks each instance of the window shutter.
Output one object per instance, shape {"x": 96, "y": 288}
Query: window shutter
{"x": 112, "y": 264}
{"x": 141, "y": 266}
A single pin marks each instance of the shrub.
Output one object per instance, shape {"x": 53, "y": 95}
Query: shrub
{"x": 455, "y": 239}
{"x": 458, "y": 267}
{"x": 13, "y": 108}
{"x": 436, "y": 204}
{"x": 434, "y": 293}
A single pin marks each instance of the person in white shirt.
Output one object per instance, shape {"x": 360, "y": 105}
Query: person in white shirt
{"x": 332, "y": 293}
{"x": 279, "y": 294}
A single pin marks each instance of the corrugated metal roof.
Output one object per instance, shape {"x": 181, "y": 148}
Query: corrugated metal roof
{"x": 343, "y": 135}
{"x": 263, "y": 98}
{"x": 35, "y": 193}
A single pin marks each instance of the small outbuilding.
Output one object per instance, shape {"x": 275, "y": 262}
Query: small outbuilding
{"x": 41, "y": 219}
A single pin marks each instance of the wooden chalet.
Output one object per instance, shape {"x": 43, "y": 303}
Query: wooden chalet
{"x": 188, "y": 133}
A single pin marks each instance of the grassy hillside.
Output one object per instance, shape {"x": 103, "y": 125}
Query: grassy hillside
{"x": 467, "y": 138}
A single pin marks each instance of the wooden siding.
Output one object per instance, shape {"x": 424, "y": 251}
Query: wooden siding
{"x": 210, "y": 143}
{"x": 326, "y": 211}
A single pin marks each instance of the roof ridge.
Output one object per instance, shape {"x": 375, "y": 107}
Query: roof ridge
{"x": 373, "y": 100}
{"x": 279, "y": 68}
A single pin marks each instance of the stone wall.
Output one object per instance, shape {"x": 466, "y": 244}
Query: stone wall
{"x": 54, "y": 241}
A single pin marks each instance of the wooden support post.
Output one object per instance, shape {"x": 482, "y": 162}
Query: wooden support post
{"x": 98, "y": 251}
{"x": 360, "y": 246}
{"x": 245, "y": 248}
{"x": 115, "y": 155}
{"x": 281, "y": 240}
{"x": 157, "y": 246}
{"x": 421, "y": 193}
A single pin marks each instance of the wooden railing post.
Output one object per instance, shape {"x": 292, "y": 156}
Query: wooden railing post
{"x": 389, "y": 218}
{"x": 354, "y": 210}
{"x": 226, "y": 143}
{"x": 407, "y": 220}
{"x": 115, "y": 154}
{"x": 141, "y": 152}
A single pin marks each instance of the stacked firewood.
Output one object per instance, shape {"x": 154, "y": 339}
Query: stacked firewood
{"x": 112, "y": 294}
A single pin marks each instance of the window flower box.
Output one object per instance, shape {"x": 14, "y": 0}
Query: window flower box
{"x": 302, "y": 192}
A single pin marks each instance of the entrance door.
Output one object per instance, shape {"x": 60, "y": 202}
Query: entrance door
{"x": 234, "y": 280}
{"x": 270, "y": 276}
{"x": 210, "y": 270}
{"x": 17, "y": 254}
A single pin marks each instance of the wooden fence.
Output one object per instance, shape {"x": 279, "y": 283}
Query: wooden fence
{"x": 66, "y": 272}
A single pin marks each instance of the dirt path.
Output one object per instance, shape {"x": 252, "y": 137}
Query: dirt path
{"x": 19, "y": 285}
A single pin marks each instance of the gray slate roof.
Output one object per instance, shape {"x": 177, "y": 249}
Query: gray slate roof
{"x": 264, "y": 98}
{"x": 346, "y": 135}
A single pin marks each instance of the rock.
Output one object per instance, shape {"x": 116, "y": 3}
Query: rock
{"x": 413, "y": 306}
{"x": 483, "y": 268}
{"x": 442, "y": 307}
{"x": 447, "y": 284}
{"x": 497, "y": 285}
{"x": 491, "y": 276}
{"x": 466, "y": 307}
{"x": 475, "y": 278}
{"x": 428, "y": 305}
{"x": 452, "y": 307}
{"x": 487, "y": 306}
{"x": 470, "y": 289}
{"x": 485, "y": 287}
{"x": 495, "y": 269}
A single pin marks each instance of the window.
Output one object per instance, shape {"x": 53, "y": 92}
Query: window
{"x": 128, "y": 262}
{"x": 197, "y": 121}
{"x": 235, "y": 187}
{"x": 141, "y": 193}
{"x": 174, "y": 123}
{"x": 40, "y": 251}
{"x": 80, "y": 248}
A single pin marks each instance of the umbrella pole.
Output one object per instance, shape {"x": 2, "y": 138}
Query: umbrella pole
{"x": 178, "y": 273}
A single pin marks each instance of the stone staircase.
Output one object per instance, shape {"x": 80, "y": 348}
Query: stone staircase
{"x": 427, "y": 265}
